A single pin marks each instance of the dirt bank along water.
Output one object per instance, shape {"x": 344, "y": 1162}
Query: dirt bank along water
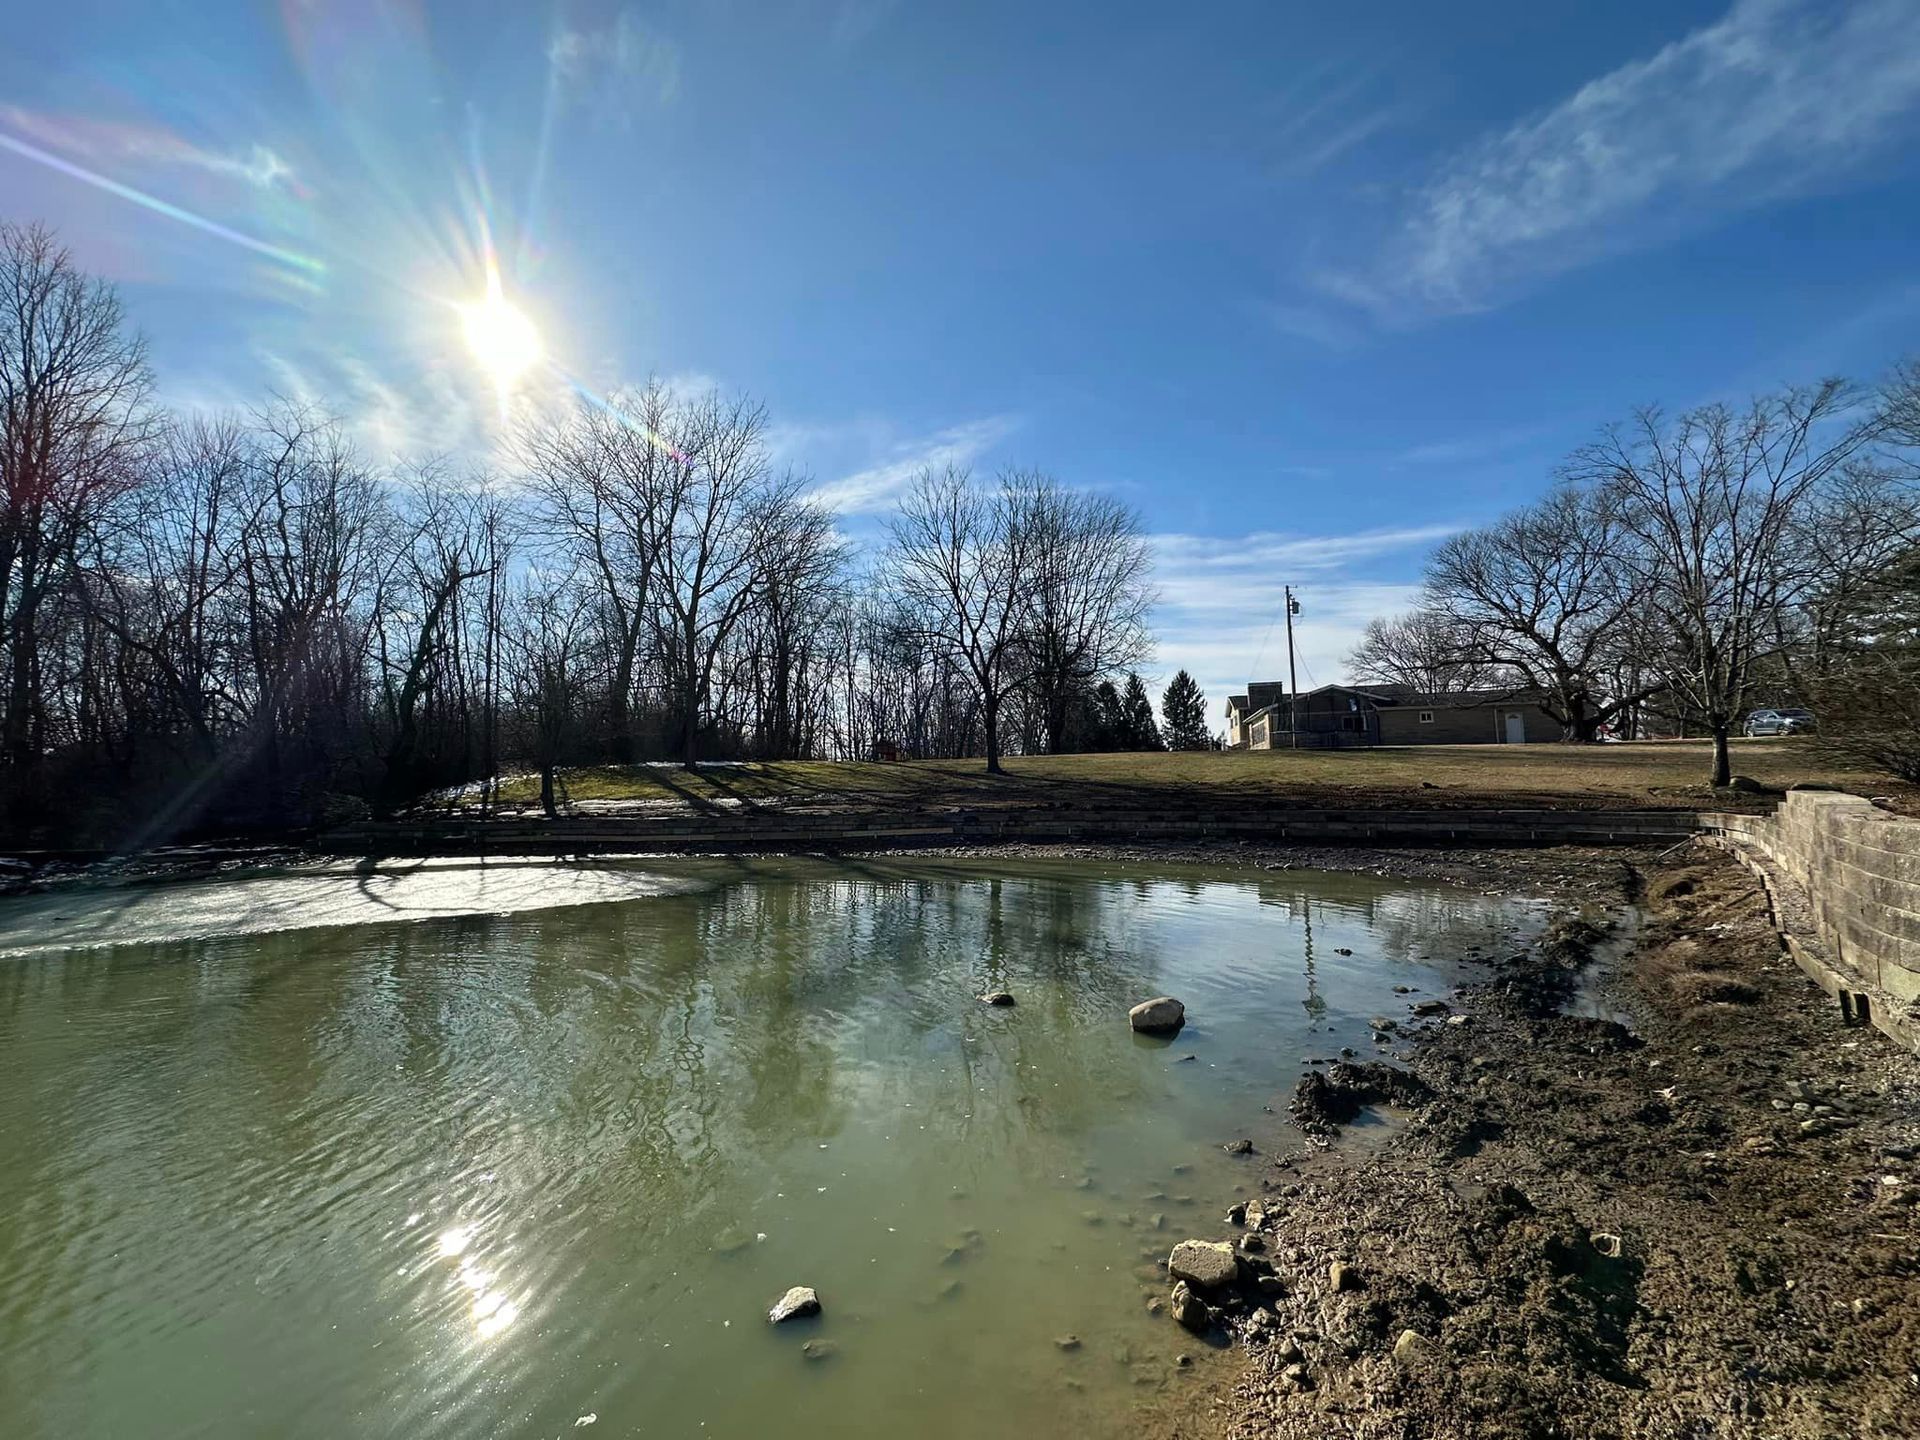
{"x": 1673, "y": 1199}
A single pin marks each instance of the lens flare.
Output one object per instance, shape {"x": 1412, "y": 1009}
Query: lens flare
{"x": 505, "y": 342}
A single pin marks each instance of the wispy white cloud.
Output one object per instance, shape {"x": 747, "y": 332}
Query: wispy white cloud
{"x": 1472, "y": 449}
{"x": 1324, "y": 114}
{"x": 607, "y": 69}
{"x": 1775, "y": 99}
{"x": 106, "y": 142}
{"x": 1219, "y": 612}
{"x": 875, "y": 487}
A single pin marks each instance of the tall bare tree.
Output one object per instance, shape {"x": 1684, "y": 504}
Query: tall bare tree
{"x": 609, "y": 480}
{"x": 960, "y": 561}
{"x": 1544, "y": 597}
{"x": 720, "y": 529}
{"x": 1712, "y": 501}
{"x": 1087, "y": 596}
{"x": 73, "y": 420}
{"x": 447, "y": 535}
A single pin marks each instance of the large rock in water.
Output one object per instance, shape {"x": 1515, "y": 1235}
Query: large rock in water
{"x": 1209, "y": 1264}
{"x": 1160, "y": 1016}
{"x": 798, "y": 1301}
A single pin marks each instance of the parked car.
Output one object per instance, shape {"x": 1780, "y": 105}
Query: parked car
{"x": 1779, "y": 722}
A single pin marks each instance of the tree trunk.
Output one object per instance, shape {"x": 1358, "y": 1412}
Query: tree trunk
{"x": 546, "y": 791}
{"x": 991, "y": 716}
{"x": 1722, "y": 756}
{"x": 620, "y": 744}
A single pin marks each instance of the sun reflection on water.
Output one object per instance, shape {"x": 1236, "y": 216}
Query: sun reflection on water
{"x": 493, "y": 1309}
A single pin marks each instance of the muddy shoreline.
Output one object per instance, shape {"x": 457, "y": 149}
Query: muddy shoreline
{"x": 1702, "y": 1222}
{"x": 1575, "y": 874}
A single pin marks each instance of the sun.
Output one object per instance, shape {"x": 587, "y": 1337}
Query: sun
{"x": 502, "y": 338}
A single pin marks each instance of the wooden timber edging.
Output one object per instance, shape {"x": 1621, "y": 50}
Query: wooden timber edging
{"x": 775, "y": 830}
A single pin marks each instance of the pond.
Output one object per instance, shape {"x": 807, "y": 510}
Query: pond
{"x": 268, "y": 1167}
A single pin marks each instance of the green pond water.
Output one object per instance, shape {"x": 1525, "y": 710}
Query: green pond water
{"x": 309, "y": 1172}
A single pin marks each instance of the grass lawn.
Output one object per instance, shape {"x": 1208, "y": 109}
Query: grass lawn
{"x": 1651, "y": 775}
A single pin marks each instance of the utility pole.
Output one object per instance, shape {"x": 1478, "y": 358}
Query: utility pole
{"x": 1293, "y": 679}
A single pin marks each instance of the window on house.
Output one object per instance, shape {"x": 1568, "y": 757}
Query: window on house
{"x": 1426, "y": 717}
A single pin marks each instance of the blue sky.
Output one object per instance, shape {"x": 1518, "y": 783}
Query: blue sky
{"x": 1312, "y": 286}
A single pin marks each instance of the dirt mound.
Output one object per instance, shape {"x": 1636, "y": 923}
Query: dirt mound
{"x": 1322, "y": 1103}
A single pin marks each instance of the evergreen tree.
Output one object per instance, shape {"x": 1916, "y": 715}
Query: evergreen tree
{"x": 1141, "y": 729}
{"x": 1185, "y": 708}
{"x": 1109, "y": 730}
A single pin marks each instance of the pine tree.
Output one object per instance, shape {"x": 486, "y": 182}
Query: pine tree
{"x": 1185, "y": 708}
{"x": 1110, "y": 719}
{"x": 1142, "y": 730}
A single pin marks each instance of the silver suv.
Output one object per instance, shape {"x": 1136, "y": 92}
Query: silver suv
{"x": 1779, "y": 722}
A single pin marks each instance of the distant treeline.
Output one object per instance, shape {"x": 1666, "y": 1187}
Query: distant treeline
{"x": 240, "y": 621}
{"x": 1688, "y": 568}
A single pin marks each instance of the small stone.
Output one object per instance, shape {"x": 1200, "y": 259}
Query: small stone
{"x": 1607, "y": 1243}
{"x": 797, "y": 1302}
{"x": 1157, "y": 1221}
{"x": 1209, "y": 1264}
{"x": 1342, "y": 1276}
{"x": 1456, "y": 1020}
{"x": 1411, "y": 1348}
{"x": 996, "y": 997}
{"x": 1342, "y": 950}
{"x": 1238, "y": 1147}
{"x": 1295, "y": 1377}
{"x": 817, "y": 1350}
{"x": 1237, "y": 1213}
{"x": 1066, "y": 1342}
{"x": 1162, "y": 1015}
{"x": 1183, "y": 1361}
{"x": 1155, "y": 1304}
{"x": 1431, "y": 1007}
{"x": 1190, "y": 1310}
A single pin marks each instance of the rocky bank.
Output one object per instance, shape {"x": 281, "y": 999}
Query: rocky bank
{"x": 1698, "y": 1219}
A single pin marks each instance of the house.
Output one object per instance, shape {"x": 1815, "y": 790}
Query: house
{"x": 1261, "y": 695}
{"x": 1338, "y": 716}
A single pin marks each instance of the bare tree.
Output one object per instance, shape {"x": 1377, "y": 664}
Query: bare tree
{"x": 1712, "y": 501}
{"x": 1428, "y": 651}
{"x": 1544, "y": 597}
{"x": 164, "y": 584}
{"x": 959, "y": 561}
{"x": 1087, "y": 596}
{"x": 446, "y": 539}
{"x": 792, "y": 622}
{"x": 73, "y": 419}
{"x": 720, "y": 528}
{"x": 609, "y": 480}
{"x": 547, "y": 638}
{"x": 311, "y": 564}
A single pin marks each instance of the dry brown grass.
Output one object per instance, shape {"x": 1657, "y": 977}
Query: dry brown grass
{"x": 1657, "y": 775}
